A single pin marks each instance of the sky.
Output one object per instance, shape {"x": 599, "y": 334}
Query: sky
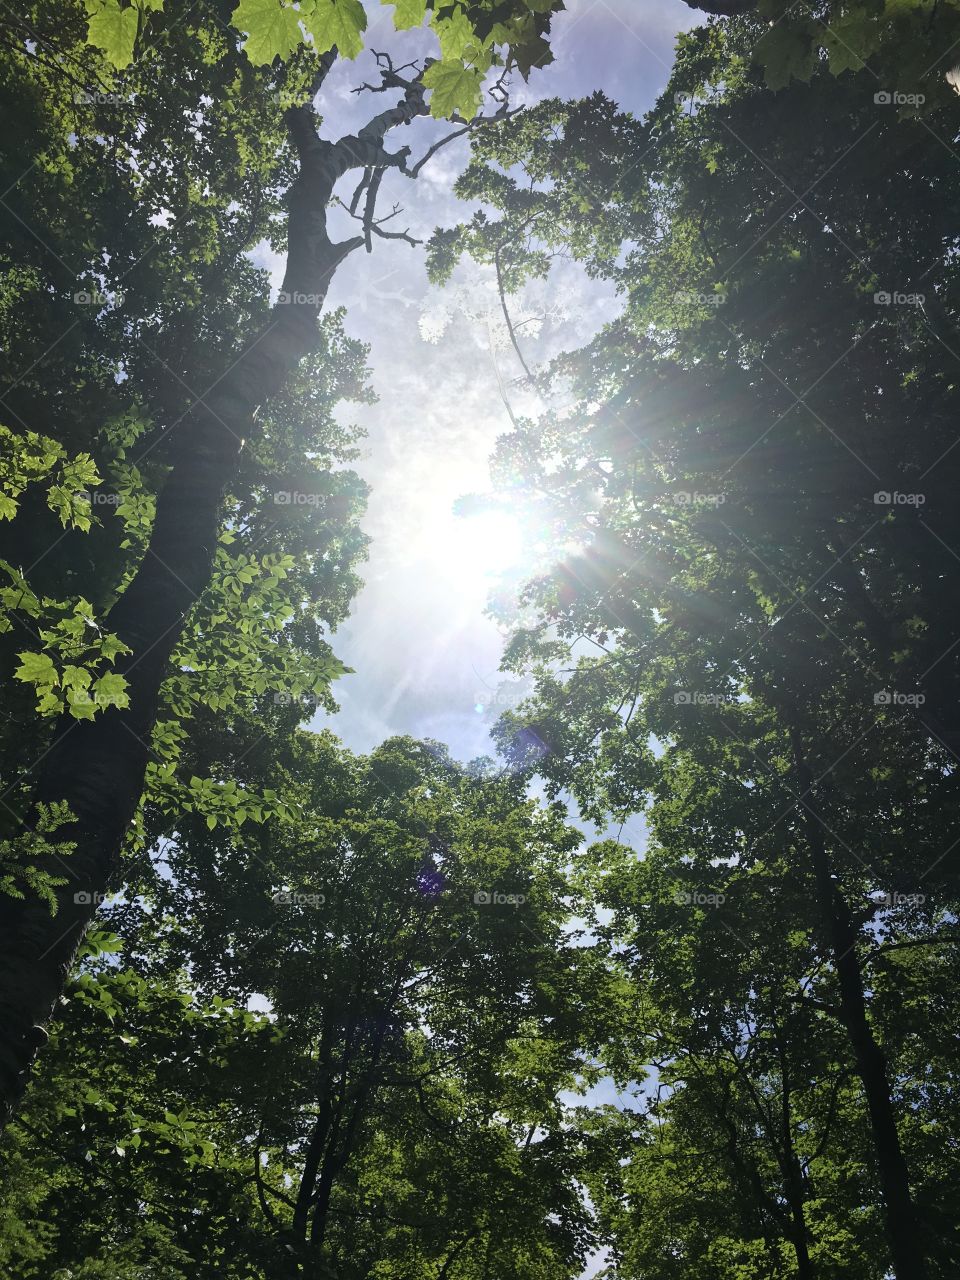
{"x": 426, "y": 657}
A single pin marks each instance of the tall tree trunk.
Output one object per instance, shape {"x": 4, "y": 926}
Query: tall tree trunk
{"x": 790, "y": 1166}
{"x": 903, "y": 1230}
{"x": 800, "y": 1234}
{"x": 98, "y": 766}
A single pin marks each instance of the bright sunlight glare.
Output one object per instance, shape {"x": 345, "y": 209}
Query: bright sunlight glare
{"x": 488, "y": 543}
{"x": 470, "y": 550}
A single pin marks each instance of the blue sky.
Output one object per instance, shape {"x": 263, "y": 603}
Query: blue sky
{"x": 425, "y": 655}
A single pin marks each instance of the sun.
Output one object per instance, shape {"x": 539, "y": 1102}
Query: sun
{"x": 459, "y": 556}
{"x": 487, "y": 543}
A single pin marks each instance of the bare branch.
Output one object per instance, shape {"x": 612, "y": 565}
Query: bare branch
{"x": 370, "y": 208}
{"x": 361, "y": 186}
{"x": 373, "y": 226}
{"x": 390, "y": 77}
{"x": 476, "y": 123}
{"x": 258, "y": 1177}
{"x": 934, "y": 941}
{"x": 506, "y": 313}
{"x": 395, "y": 235}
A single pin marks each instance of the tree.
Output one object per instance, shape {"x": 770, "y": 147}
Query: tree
{"x": 754, "y": 602}
{"x": 396, "y": 1109}
{"x": 95, "y": 765}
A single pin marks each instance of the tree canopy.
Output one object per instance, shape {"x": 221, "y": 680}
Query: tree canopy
{"x": 270, "y": 1008}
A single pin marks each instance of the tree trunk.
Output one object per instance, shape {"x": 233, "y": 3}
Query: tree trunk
{"x": 790, "y": 1166}
{"x": 98, "y": 766}
{"x": 903, "y": 1230}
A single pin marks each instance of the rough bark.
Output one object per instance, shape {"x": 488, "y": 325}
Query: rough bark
{"x": 98, "y": 766}
{"x": 791, "y": 1168}
{"x": 903, "y": 1229}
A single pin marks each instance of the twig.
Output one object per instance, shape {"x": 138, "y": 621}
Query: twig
{"x": 506, "y": 312}
{"x": 374, "y": 226}
{"x": 476, "y": 123}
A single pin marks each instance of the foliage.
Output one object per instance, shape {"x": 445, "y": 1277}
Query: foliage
{"x": 472, "y": 37}
{"x": 749, "y": 647}
{"x": 404, "y": 1077}
{"x": 362, "y": 1016}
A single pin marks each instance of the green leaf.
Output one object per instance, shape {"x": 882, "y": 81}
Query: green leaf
{"x": 456, "y": 35}
{"x": 786, "y": 54}
{"x": 75, "y": 677}
{"x": 455, "y": 88}
{"x": 36, "y": 668}
{"x": 114, "y": 30}
{"x": 337, "y": 23}
{"x": 81, "y": 705}
{"x": 111, "y": 690}
{"x": 102, "y": 942}
{"x": 273, "y": 29}
{"x": 410, "y": 13}
{"x": 850, "y": 39}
